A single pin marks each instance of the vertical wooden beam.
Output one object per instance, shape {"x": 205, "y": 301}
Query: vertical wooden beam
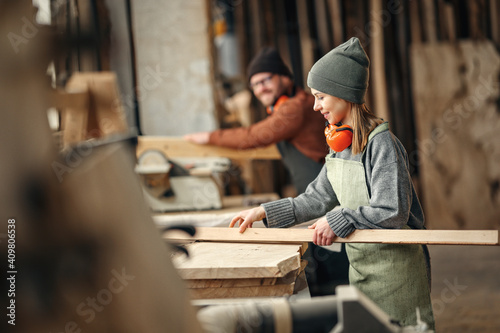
{"x": 307, "y": 45}
{"x": 293, "y": 41}
{"x": 335, "y": 10}
{"x": 256, "y": 25}
{"x": 87, "y": 26}
{"x": 73, "y": 30}
{"x": 474, "y": 24}
{"x": 415, "y": 22}
{"x": 325, "y": 41}
{"x": 429, "y": 21}
{"x": 269, "y": 17}
{"x": 282, "y": 33}
{"x": 495, "y": 24}
{"x": 241, "y": 28}
{"x": 449, "y": 23}
{"x": 378, "y": 63}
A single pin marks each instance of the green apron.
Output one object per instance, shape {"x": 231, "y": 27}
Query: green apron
{"x": 393, "y": 276}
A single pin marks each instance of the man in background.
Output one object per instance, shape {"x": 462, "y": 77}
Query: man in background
{"x": 291, "y": 123}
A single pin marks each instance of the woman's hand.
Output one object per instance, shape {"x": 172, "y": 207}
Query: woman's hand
{"x": 247, "y": 217}
{"x": 323, "y": 234}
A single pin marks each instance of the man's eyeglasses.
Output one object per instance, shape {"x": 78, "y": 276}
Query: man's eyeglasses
{"x": 265, "y": 81}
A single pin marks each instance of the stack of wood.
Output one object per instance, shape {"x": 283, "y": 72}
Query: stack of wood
{"x": 260, "y": 262}
{"x": 239, "y": 270}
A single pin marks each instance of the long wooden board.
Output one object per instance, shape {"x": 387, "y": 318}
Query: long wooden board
{"x": 298, "y": 236}
{"x": 178, "y": 147}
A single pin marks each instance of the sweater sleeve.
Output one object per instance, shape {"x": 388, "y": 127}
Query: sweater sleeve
{"x": 315, "y": 202}
{"x": 390, "y": 190}
{"x": 283, "y": 124}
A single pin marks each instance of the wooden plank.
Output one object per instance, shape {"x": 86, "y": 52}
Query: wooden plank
{"x": 105, "y": 101}
{"x": 495, "y": 25}
{"x": 335, "y": 9}
{"x": 307, "y": 45}
{"x": 384, "y": 236}
{"x": 178, "y": 147}
{"x": 447, "y": 21}
{"x": 429, "y": 21}
{"x": 379, "y": 85}
{"x": 229, "y": 283}
{"x": 239, "y": 292}
{"x": 74, "y": 119}
{"x": 63, "y": 99}
{"x": 246, "y": 282}
{"x": 415, "y": 22}
{"x": 456, "y": 85}
{"x": 208, "y": 260}
{"x": 257, "y": 25}
{"x": 322, "y": 26}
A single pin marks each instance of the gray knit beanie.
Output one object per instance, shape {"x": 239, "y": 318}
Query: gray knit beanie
{"x": 342, "y": 72}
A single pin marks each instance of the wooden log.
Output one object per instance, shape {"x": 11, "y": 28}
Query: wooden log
{"x": 178, "y": 147}
{"x": 383, "y": 236}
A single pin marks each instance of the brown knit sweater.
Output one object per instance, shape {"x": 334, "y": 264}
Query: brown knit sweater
{"x": 294, "y": 121}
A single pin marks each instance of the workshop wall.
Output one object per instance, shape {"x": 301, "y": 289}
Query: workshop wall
{"x": 174, "y": 87}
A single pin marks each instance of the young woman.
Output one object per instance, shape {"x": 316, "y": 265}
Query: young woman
{"x": 369, "y": 181}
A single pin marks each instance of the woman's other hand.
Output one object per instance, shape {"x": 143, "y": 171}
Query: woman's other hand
{"x": 247, "y": 217}
{"x": 323, "y": 234}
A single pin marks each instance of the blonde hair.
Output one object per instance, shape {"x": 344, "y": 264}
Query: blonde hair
{"x": 363, "y": 121}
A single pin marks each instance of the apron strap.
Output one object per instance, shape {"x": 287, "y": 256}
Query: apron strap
{"x": 379, "y": 129}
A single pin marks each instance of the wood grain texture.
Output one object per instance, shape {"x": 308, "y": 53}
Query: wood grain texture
{"x": 244, "y": 282}
{"x": 210, "y": 260}
{"x": 239, "y": 292}
{"x": 299, "y": 236}
{"x": 178, "y": 147}
{"x": 457, "y": 117}
{"x": 229, "y": 283}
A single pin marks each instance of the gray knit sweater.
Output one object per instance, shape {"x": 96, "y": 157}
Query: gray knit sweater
{"x": 393, "y": 201}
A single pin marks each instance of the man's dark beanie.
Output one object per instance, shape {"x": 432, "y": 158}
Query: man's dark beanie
{"x": 343, "y": 72}
{"x": 268, "y": 60}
